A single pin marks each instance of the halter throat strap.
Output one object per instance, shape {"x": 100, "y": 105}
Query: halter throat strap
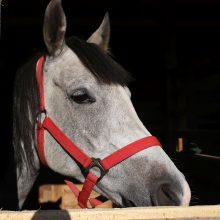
{"x": 44, "y": 122}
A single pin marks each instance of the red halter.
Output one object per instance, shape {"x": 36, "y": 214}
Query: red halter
{"x": 46, "y": 123}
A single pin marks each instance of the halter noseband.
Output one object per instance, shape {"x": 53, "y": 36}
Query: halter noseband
{"x": 44, "y": 122}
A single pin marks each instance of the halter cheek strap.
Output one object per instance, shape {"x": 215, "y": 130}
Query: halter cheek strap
{"x": 44, "y": 122}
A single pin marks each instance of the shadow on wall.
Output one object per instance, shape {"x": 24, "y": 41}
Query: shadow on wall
{"x": 51, "y": 215}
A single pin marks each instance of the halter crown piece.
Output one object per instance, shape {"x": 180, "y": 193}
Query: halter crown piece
{"x": 44, "y": 122}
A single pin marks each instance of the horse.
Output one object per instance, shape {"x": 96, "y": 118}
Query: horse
{"x": 86, "y": 97}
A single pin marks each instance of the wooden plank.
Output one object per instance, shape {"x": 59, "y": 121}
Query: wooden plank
{"x": 153, "y": 213}
{"x": 179, "y": 146}
{"x": 51, "y": 193}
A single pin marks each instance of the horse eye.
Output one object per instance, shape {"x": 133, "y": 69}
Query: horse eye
{"x": 82, "y": 97}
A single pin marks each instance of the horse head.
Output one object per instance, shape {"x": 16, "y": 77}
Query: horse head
{"x": 86, "y": 95}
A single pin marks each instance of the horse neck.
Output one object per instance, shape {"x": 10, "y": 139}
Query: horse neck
{"x": 26, "y": 176}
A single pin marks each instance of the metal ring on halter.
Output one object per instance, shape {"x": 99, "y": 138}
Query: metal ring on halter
{"x": 41, "y": 116}
{"x": 96, "y": 163}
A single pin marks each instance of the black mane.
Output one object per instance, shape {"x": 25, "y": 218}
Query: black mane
{"x": 26, "y": 94}
{"x": 25, "y": 106}
{"x": 99, "y": 62}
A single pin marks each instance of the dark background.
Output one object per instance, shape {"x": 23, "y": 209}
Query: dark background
{"x": 172, "y": 49}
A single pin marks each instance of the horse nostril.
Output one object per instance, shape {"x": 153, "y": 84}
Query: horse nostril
{"x": 167, "y": 197}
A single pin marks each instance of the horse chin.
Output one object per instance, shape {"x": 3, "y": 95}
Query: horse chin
{"x": 165, "y": 201}
{"x": 124, "y": 203}
{"x": 165, "y": 196}
{"x": 128, "y": 203}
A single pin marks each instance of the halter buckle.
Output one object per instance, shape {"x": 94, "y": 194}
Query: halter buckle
{"x": 96, "y": 164}
{"x": 41, "y": 116}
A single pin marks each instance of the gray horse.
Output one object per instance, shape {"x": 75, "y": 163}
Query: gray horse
{"x": 87, "y": 97}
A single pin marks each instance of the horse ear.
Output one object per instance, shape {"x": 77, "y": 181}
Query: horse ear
{"x": 54, "y": 28}
{"x": 101, "y": 36}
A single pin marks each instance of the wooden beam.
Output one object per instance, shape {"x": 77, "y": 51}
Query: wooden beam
{"x": 51, "y": 193}
{"x": 153, "y": 213}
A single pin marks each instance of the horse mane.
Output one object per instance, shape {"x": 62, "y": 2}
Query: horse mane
{"x": 26, "y": 94}
{"x": 25, "y": 108}
{"x": 99, "y": 62}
